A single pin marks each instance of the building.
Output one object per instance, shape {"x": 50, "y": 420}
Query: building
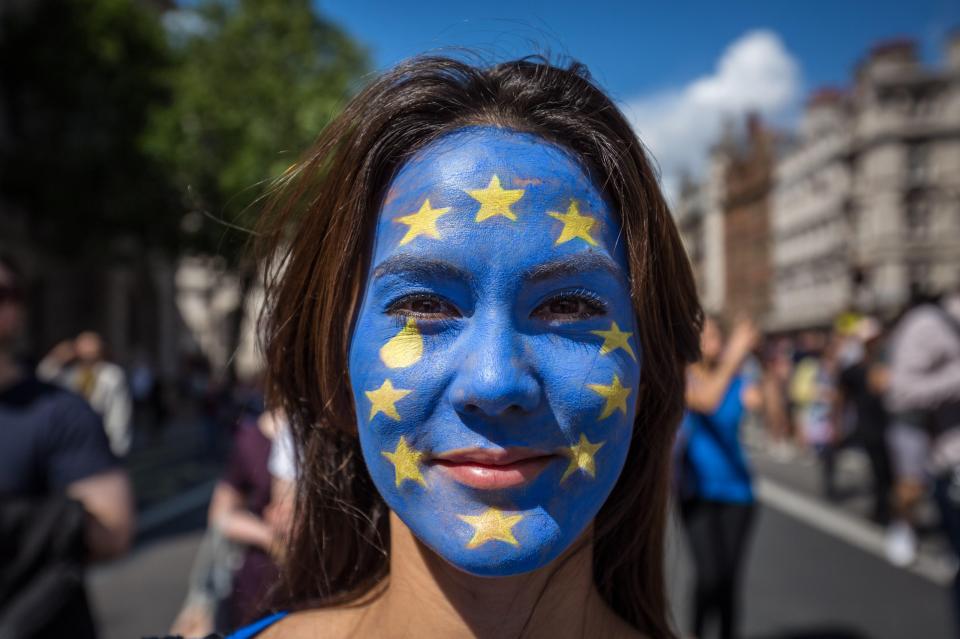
{"x": 700, "y": 220}
{"x": 859, "y": 211}
{"x": 746, "y": 220}
{"x": 905, "y": 163}
{"x": 810, "y": 231}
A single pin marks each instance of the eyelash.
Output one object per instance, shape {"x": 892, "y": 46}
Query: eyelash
{"x": 594, "y": 306}
{"x": 397, "y": 308}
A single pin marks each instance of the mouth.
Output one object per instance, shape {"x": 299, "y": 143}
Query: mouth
{"x": 493, "y": 469}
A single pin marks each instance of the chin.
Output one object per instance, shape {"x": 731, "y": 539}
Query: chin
{"x": 543, "y": 541}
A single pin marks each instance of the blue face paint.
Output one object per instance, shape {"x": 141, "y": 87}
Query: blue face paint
{"x": 494, "y": 360}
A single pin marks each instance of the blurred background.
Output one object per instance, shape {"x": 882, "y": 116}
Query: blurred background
{"x": 811, "y": 155}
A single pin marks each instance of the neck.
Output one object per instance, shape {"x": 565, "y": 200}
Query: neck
{"x": 445, "y": 602}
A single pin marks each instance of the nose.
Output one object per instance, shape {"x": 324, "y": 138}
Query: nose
{"x": 495, "y": 377}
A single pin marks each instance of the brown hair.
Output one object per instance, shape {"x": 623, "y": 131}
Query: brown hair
{"x": 318, "y": 231}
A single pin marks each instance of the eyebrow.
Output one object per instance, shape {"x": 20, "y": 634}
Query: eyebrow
{"x": 573, "y": 265}
{"x": 422, "y": 267}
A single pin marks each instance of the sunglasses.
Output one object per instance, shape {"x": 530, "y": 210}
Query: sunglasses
{"x": 10, "y": 294}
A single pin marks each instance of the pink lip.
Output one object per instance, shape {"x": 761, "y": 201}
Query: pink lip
{"x": 492, "y": 469}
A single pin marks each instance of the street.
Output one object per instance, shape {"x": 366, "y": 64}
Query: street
{"x": 815, "y": 571}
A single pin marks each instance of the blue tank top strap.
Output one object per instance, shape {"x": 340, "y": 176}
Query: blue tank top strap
{"x": 247, "y": 632}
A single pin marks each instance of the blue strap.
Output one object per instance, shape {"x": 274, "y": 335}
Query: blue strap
{"x": 247, "y": 632}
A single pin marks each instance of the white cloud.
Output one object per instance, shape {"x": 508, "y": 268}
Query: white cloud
{"x": 756, "y": 72}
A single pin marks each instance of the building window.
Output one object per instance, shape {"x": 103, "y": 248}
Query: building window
{"x": 918, "y": 162}
{"x": 918, "y": 276}
{"x": 917, "y": 218}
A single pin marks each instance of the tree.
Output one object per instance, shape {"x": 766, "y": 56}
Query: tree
{"x": 78, "y": 80}
{"x": 255, "y": 82}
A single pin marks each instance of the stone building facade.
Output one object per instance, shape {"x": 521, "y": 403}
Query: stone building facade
{"x": 859, "y": 210}
{"x": 810, "y": 230}
{"x": 746, "y": 216}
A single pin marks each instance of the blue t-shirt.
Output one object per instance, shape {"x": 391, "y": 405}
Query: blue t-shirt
{"x": 49, "y": 438}
{"x": 713, "y": 448}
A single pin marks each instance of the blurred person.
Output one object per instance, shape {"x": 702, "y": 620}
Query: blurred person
{"x": 64, "y": 501}
{"x": 717, "y": 500}
{"x": 813, "y": 394}
{"x": 777, "y": 367}
{"x": 861, "y": 386}
{"x": 924, "y": 399}
{"x": 80, "y": 365}
{"x": 146, "y": 391}
{"x": 236, "y": 517}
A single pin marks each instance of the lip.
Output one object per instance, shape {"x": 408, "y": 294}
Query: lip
{"x": 493, "y": 468}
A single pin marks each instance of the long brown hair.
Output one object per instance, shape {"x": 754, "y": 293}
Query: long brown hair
{"x": 318, "y": 232}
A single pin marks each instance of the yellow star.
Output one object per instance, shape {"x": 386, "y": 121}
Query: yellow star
{"x": 574, "y": 225}
{"x": 423, "y": 222}
{"x": 614, "y": 339}
{"x": 615, "y": 394}
{"x": 491, "y": 525}
{"x": 495, "y": 200}
{"x": 581, "y": 457}
{"x": 406, "y": 463}
{"x": 382, "y": 400}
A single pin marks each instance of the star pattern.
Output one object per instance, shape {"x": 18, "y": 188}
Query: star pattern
{"x": 615, "y": 394}
{"x": 423, "y": 222}
{"x": 614, "y": 339}
{"x": 492, "y": 525}
{"x": 405, "y": 348}
{"x": 383, "y": 400}
{"x": 406, "y": 463}
{"x": 581, "y": 457}
{"x": 574, "y": 225}
{"x": 495, "y": 200}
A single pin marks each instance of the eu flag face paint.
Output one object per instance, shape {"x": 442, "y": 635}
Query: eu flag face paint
{"x": 494, "y": 359}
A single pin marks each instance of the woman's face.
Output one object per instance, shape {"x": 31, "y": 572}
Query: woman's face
{"x": 494, "y": 360}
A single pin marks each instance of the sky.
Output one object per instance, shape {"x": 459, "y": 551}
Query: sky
{"x": 678, "y": 69}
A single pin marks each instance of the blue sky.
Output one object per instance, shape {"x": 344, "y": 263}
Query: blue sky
{"x": 636, "y": 47}
{"x": 677, "y": 68}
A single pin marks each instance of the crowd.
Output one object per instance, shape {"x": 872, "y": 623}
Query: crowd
{"x": 892, "y": 390}
{"x": 68, "y": 428}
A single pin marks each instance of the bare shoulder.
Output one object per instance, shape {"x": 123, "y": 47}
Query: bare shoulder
{"x": 325, "y": 623}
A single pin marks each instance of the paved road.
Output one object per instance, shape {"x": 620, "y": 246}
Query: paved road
{"x": 801, "y": 583}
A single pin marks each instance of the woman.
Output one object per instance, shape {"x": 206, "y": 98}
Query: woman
{"x": 478, "y": 315}
{"x": 717, "y": 504}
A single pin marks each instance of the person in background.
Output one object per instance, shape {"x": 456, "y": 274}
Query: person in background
{"x": 776, "y": 410}
{"x": 716, "y": 500}
{"x": 64, "y": 500}
{"x": 80, "y": 365}
{"x": 861, "y": 386}
{"x": 813, "y": 394}
{"x": 237, "y": 562}
{"x": 924, "y": 399}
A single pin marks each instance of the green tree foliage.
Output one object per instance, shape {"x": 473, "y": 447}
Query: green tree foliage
{"x": 255, "y": 82}
{"x": 78, "y": 79}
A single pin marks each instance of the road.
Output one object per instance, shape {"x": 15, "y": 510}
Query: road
{"x": 801, "y": 583}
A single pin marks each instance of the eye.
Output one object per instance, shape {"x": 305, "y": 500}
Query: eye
{"x": 570, "y": 306}
{"x": 423, "y": 306}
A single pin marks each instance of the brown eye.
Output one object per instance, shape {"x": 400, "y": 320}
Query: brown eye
{"x": 570, "y": 307}
{"x": 567, "y": 307}
{"x": 424, "y": 306}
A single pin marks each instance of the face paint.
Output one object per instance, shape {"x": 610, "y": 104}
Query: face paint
{"x": 493, "y": 361}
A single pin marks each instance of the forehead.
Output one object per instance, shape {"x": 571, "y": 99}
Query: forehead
{"x": 496, "y": 196}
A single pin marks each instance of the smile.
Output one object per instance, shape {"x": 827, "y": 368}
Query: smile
{"x": 493, "y": 469}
